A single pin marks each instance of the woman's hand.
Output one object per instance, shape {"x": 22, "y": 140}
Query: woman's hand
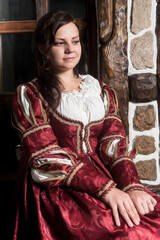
{"x": 121, "y": 203}
{"x": 143, "y": 202}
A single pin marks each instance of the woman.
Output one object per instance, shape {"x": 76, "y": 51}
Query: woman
{"x": 78, "y": 180}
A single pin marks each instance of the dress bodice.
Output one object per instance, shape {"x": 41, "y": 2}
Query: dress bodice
{"x": 83, "y": 107}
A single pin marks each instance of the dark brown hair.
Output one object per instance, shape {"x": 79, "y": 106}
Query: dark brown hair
{"x": 43, "y": 40}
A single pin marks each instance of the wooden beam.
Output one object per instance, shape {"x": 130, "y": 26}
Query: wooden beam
{"x": 41, "y": 8}
{"x": 27, "y": 26}
{"x": 17, "y": 26}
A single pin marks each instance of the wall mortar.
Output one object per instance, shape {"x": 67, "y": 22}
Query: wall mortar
{"x": 140, "y": 83}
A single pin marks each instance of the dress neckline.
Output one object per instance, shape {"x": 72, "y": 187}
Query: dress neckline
{"x": 74, "y": 90}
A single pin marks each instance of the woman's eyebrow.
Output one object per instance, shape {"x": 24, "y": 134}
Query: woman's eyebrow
{"x": 64, "y": 38}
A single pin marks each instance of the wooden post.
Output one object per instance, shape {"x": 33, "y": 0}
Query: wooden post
{"x": 41, "y": 8}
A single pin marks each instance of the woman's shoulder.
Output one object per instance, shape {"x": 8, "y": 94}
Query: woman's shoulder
{"x": 28, "y": 90}
{"x": 31, "y": 86}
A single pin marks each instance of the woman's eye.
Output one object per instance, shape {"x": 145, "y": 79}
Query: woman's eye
{"x": 76, "y": 42}
{"x": 59, "y": 43}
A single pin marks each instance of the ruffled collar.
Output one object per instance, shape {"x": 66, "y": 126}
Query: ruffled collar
{"x": 86, "y": 86}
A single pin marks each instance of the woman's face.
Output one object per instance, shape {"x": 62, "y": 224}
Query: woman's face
{"x": 66, "y": 51}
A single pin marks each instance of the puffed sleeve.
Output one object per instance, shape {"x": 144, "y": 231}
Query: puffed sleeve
{"x": 52, "y": 165}
{"x": 114, "y": 146}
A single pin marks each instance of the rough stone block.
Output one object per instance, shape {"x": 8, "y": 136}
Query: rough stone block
{"x": 141, "y": 15}
{"x": 147, "y": 170}
{"x": 144, "y": 118}
{"x": 145, "y": 144}
{"x": 143, "y": 87}
{"x": 142, "y": 51}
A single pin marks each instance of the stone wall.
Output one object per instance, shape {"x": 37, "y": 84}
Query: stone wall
{"x": 128, "y": 63}
{"x": 142, "y": 71}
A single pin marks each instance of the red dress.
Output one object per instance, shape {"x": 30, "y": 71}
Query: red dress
{"x": 66, "y": 202}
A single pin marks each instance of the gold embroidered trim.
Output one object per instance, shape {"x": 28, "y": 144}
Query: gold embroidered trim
{"x": 37, "y": 165}
{"x": 31, "y": 109}
{"x": 115, "y": 101}
{"x": 35, "y": 130}
{"x": 42, "y": 151}
{"x": 21, "y": 105}
{"x": 73, "y": 173}
{"x": 120, "y": 160}
{"x": 113, "y": 117}
{"x": 72, "y": 123}
{"x": 105, "y": 188}
{"x": 19, "y": 126}
{"x": 44, "y": 114}
{"x": 40, "y": 101}
{"x": 108, "y": 146}
{"x": 49, "y": 172}
{"x": 127, "y": 146}
{"x": 112, "y": 136}
{"x": 132, "y": 185}
{"x": 53, "y": 179}
{"x": 94, "y": 123}
{"x": 115, "y": 151}
{"x": 108, "y": 101}
{"x": 38, "y": 92}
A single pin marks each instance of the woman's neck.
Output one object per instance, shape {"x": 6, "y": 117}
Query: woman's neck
{"x": 69, "y": 80}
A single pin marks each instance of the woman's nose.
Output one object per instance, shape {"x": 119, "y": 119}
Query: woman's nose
{"x": 69, "y": 48}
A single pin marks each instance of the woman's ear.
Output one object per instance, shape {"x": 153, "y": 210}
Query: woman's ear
{"x": 42, "y": 50}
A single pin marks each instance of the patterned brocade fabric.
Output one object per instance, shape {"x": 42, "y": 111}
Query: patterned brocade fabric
{"x": 120, "y": 163}
{"x": 69, "y": 163}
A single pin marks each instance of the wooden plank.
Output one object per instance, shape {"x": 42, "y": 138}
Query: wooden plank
{"x": 26, "y": 26}
{"x": 17, "y": 26}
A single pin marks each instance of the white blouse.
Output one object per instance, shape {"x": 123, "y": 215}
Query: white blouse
{"x": 85, "y": 105}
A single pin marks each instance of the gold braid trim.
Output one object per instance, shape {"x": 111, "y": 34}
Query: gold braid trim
{"x": 59, "y": 175}
{"x": 35, "y": 130}
{"x": 40, "y": 100}
{"x": 120, "y": 160}
{"x": 17, "y": 125}
{"x": 105, "y": 188}
{"x": 136, "y": 185}
{"x": 115, "y": 101}
{"x": 112, "y": 136}
{"x": 42, "y": 151}
{"x": 113, "y": 117}
{"x": 73, "y": 173}
{"x": 70, "y": 122}
{"x": 94, "y": 123}
{"x": 30, "y": 108}
{"x": 108, "y": 101}
{"x": 21, "y": 105}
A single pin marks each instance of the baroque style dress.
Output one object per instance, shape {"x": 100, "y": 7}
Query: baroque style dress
{"x": 71, "y": 158}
